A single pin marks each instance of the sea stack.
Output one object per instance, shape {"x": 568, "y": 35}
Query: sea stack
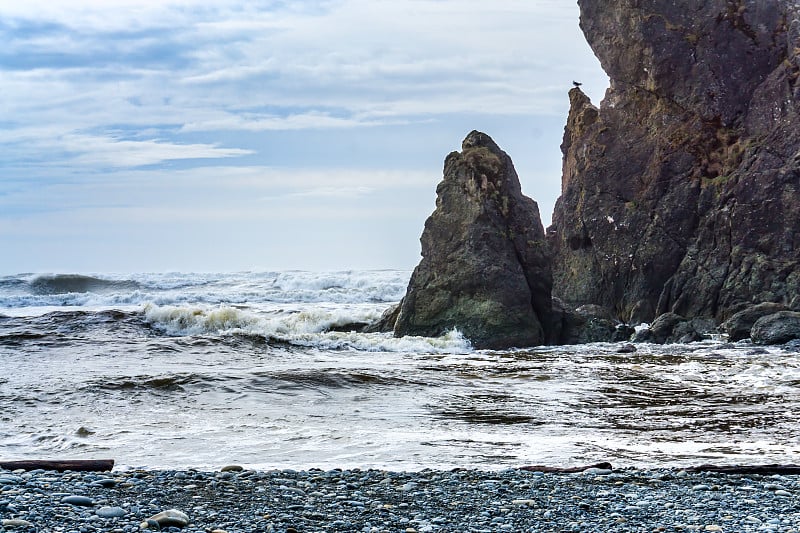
{"x": 680, "y": 191}
{"x": 485, "y": 269}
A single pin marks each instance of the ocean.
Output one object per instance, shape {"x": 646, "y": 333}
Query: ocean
{"x": 261, "y": 369}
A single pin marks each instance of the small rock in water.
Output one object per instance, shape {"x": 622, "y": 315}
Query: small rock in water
{"x": 169, "y": 518}
{"x": 111, "y": 512}
{"x": 83, "y": 501}
{"x": 626, "y": 348}
{"x": 231, "y": 468}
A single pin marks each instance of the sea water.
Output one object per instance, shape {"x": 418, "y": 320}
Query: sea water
{"x": 268, "y": 370}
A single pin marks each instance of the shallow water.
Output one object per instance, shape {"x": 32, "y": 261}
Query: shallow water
{"x": 188, "y": 370}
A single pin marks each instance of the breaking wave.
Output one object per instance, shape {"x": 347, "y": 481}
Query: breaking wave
{"x": 332, "y": 329}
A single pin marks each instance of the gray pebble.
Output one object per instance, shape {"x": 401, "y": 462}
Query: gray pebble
{"x": 111, "y": 512}
{"x": 170, "y": 518}
{"x": 624, "y": 501}
{"x": 83, "y": 501}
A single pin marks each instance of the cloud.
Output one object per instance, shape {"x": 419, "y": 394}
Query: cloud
{"x": 109, "y": 152}
{"x": 143, "y": 108}
{"x": 106, "y": 151}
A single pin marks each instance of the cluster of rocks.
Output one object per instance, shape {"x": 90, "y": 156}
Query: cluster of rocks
{"x": 679, "y": 202}
{"x": 376, "y": 501}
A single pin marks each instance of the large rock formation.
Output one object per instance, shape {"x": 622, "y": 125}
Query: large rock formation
{"x": 680, "y": 193}
{"x": 484, "y": 267}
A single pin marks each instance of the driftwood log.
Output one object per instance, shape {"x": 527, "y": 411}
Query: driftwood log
{"x": 567, "y": 470}
{"x": 764, "y": 470}
{"x": 90, "y": 465}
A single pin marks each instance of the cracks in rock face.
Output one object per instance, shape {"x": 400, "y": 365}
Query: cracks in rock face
{"x": 729, "y": 265}
{"x": 701, "y": 265}
{"x": 531, "y": 289}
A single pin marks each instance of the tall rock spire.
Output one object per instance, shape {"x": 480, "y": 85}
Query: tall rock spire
{"x": 484, "y": 267}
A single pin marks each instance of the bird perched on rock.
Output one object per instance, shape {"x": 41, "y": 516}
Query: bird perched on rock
{"x": 577, "y": 83}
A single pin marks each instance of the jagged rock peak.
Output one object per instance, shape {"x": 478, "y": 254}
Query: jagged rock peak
{"x": 476, "y": 138}
{"x": 484, "y": 267}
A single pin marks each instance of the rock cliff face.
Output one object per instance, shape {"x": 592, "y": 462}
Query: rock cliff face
{"x": 484, "y": 267}
{"x": 680, "y": 192}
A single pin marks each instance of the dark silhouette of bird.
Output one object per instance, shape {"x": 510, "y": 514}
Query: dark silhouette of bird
{"x": 577, "y": 83}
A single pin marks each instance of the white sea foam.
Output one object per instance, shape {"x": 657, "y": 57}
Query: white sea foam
{"x": 452, "y": 342}
{"x": 309, "y": 326}
{"x": 347, "y": 286}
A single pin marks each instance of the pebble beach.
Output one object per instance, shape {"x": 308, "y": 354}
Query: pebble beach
{"x": 288, "y": 501}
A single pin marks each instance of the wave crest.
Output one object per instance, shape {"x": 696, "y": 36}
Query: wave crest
{"x": 315, "y": 327}
{"x": 50, "y": 284}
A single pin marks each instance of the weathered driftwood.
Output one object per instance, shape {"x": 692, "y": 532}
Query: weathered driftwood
{"x": 566, "y": 470}
{"x": 765, "y": 470}
{"x": 87, "y": 465}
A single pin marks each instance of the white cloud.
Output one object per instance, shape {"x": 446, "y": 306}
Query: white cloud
{"x": 108, "y": 152}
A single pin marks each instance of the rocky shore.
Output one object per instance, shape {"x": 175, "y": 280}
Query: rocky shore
{"x": 236, "y": 500}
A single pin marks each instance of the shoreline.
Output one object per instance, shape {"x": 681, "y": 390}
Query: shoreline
{"x": 375, "y": 501}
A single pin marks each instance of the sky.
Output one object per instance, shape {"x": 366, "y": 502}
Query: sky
{"x": 219, "y": 136}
